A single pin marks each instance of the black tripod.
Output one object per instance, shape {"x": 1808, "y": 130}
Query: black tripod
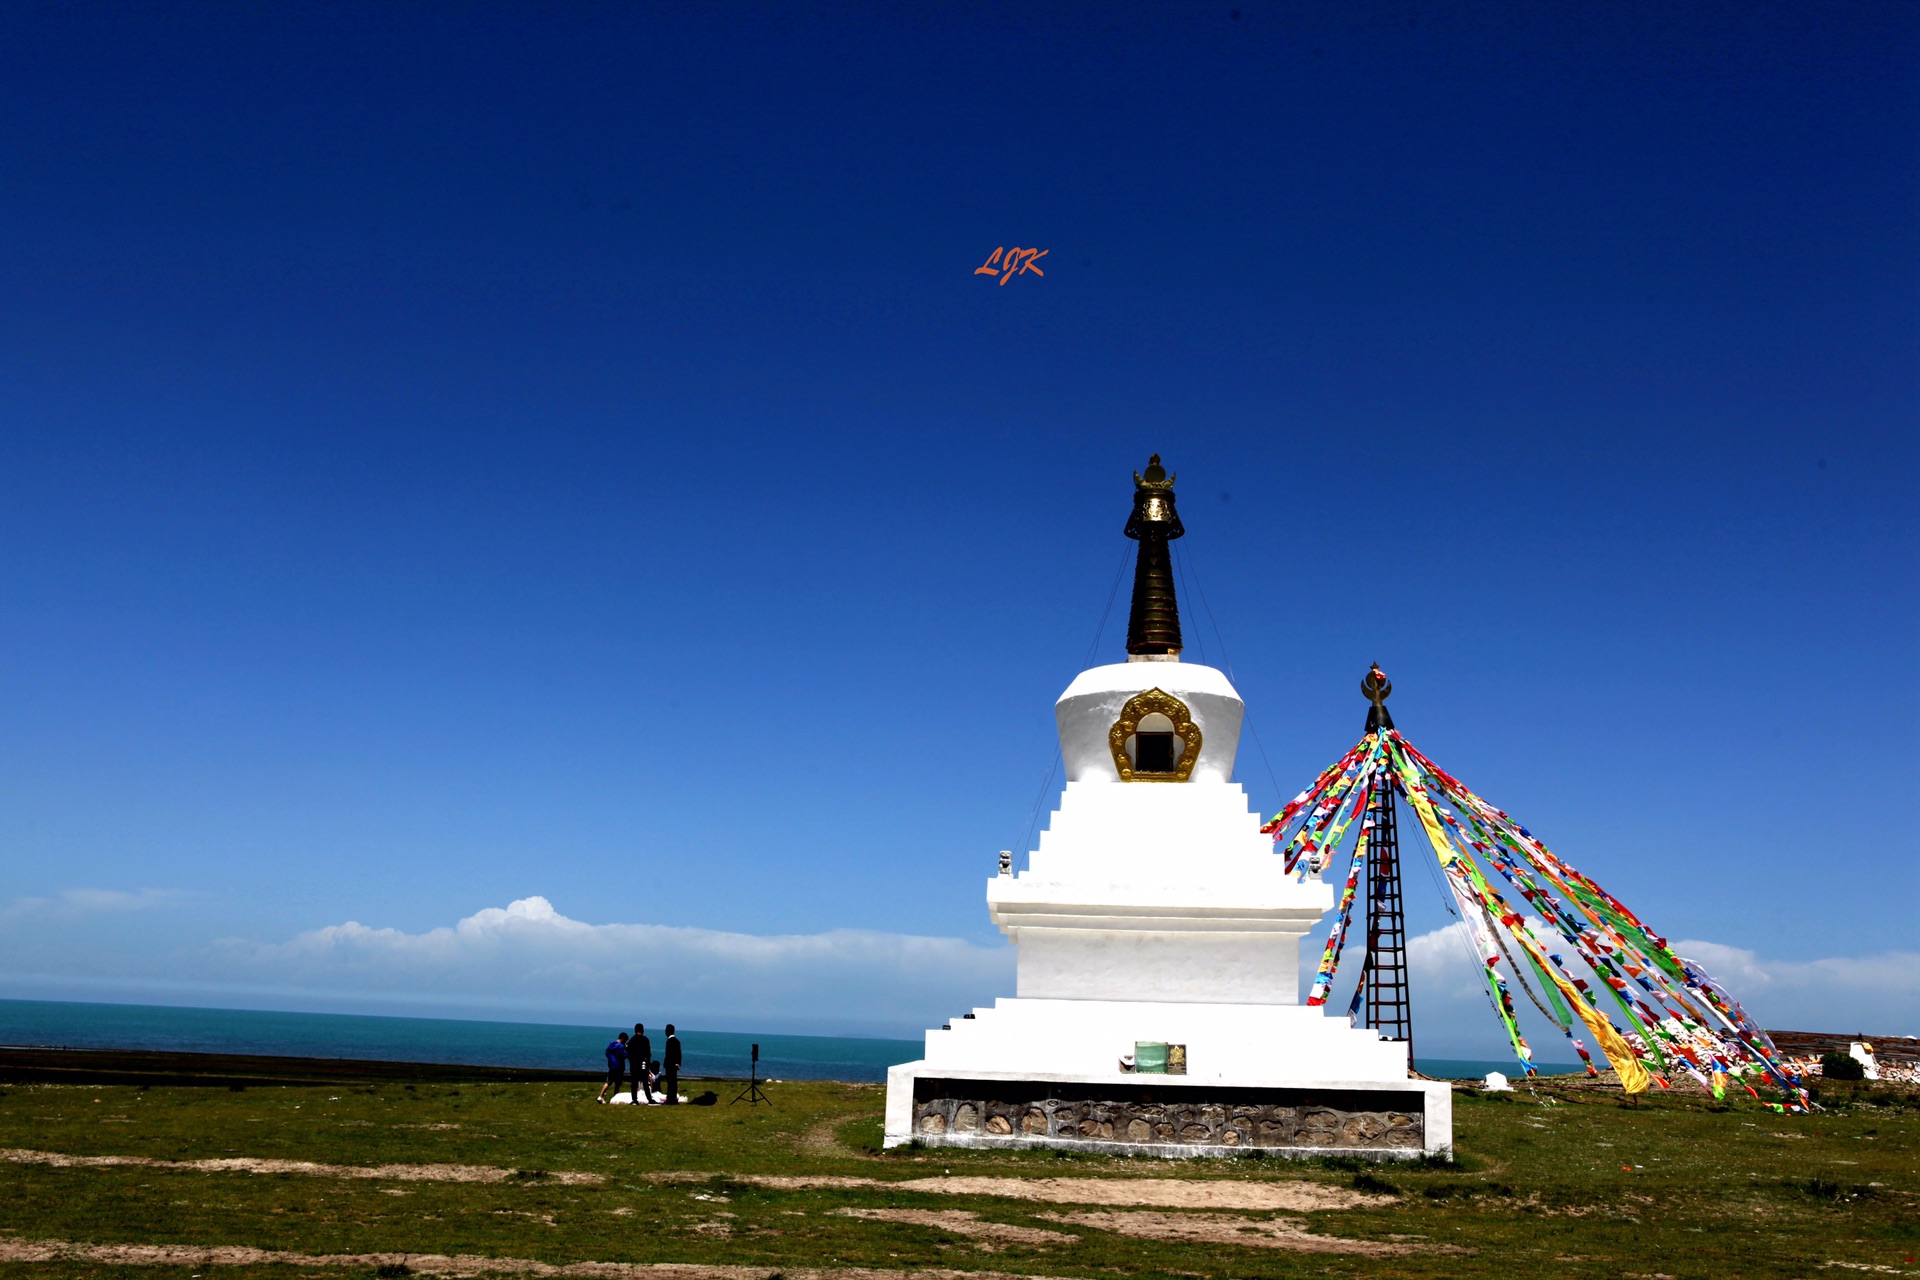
{"x": 753, "y": 1095}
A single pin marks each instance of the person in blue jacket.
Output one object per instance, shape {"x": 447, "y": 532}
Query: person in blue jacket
{"x": 616, "y": 1066}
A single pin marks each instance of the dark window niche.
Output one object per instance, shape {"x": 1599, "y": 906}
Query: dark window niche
{"x": 1154, "y": 753}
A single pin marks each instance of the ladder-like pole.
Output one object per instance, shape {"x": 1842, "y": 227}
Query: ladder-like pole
{"x": 1389, "y": 999}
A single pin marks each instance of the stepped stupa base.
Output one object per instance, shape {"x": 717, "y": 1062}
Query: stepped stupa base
{"x": 1279, "y": 1079}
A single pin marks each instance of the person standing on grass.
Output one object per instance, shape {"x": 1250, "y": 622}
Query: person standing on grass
{"x": 671, "y": 1076}
{"x": 640, "y": 1054}
{"x": 616, "y": 1066}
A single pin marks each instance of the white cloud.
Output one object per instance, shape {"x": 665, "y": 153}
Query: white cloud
{"x": 82, "y": 902}
{"x": 528, "y": 956}
{"x": 1443, "y": 962}
{"x": 1877, "y": 994}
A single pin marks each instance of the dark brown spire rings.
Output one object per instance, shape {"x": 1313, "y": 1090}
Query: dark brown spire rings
{"x": 1153, "y": 624}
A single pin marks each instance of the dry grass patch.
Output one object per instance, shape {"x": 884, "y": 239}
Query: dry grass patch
{"x": 1225, "y": 1228}
{"x": 439, "y": 1264}
{"x": 961, "y": 1223}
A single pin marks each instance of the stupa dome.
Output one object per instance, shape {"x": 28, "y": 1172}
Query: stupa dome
{"x": 1099, "y": 697}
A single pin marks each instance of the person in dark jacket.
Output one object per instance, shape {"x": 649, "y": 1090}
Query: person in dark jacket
{"x": 640, "y": 1055}
{"x": 616, "y": 1066}
{"x": 670, "y": 1078}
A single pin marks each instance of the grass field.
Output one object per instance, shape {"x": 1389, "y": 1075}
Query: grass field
{"x": 529, "y": 1178}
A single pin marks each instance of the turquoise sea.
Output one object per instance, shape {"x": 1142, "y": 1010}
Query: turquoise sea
{"x": 505, "y": 1044}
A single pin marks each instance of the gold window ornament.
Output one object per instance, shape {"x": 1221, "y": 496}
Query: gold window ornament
{"x": 1155, "y": 739}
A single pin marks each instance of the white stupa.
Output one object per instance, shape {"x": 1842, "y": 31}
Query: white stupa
{"x": 1154, "y": 923}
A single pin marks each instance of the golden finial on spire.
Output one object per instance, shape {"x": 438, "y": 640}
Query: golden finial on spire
{"x": 1378, "y": 689}
{"x": 1156, "y": 476}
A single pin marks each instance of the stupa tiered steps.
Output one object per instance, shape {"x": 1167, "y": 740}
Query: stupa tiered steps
{"x": 1277, "y": 1077}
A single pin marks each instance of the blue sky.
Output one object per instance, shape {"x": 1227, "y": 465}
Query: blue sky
{"x": 457, "y": 456}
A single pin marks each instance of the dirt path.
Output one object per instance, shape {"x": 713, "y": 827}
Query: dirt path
{"x": 962, "y": 1223}
{"x": 1222, "y": 1228}
{"x": 247, "y": 1164}
{"x": 437, "y": 1264}
{"x": 1154, "y": 1193}
{"x": 1192, "y": 1228}
{"x": 1133, "y": 1193}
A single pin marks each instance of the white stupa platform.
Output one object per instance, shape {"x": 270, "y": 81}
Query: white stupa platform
{"x": 1155, "y": 911}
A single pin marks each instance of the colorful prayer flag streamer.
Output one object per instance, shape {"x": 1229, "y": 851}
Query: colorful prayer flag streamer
{"x": 1676, "y": 1017}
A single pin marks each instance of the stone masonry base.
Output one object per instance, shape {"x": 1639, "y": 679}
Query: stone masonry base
{"x": 1154, "y": 1117}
